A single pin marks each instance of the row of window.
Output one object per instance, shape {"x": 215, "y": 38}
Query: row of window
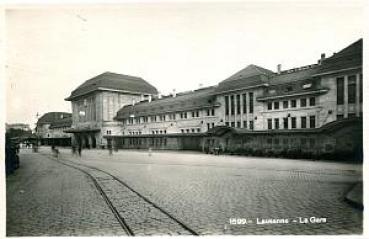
{"x": 233, "y": 103}
{"x": 292, "y": 124}
{"x": 351, "y": 89}
{"x": 168, "y": 117}
{"x": 192, "y": 130}
{"x": 152, "y": 141}
{"x": 276, "y": 105}
{"x": 152, "y": 132}
{"x": 210, "y": 125}
{"x": 240, "y": 124}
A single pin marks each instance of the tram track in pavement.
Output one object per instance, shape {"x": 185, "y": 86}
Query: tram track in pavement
{"x": 136, "y": 214}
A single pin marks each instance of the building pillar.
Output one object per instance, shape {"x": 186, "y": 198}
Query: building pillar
{"x": 89, "y": 137}
{"x": 241, "y": 110}
{"x": 345, "y": 93}
{"x": 358, "y": 95}
{"x": 235, "y": 110}
{"x": 225, "y": 105}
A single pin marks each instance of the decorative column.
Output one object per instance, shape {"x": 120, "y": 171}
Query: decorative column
{"x": 358, "y": 95}
{"x": 345, "y": 93}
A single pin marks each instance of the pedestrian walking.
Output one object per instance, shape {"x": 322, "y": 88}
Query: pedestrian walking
{"x": 110, "y": 149}
{"x": 79, "y": 150}
{"x": 74, "y": 151}
{"x": 150, "y": 151}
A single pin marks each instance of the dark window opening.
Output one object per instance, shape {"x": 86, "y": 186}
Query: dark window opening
{"x": 276, "y": 123}
{"x": 270, "y": 124}
{"x": 303, "y": 102}
{"x": 303, "y": 122}
{"x": 312, "y": 121}
{"x": 340, "y": 90}
{"x": 351, "y": 89}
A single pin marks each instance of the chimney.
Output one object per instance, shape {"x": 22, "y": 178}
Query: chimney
{"x": 322, "y": 58}
{"x": 133, "y": 102}
{"x": 159, "y": 95}
{"x": 149, "y": 98}
{"x": 174, "y": 93}
{"x": 279, "y": 68}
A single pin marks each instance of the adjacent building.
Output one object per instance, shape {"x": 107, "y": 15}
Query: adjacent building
{"x": 50, "y": 128}
{"x": 18, "y": 126}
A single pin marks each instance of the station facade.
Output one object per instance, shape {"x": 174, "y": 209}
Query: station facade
{"x": 96, "y": 102}
{"x": 296, "y": 111}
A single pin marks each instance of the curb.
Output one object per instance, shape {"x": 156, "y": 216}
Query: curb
{"x": 355, "y": 196}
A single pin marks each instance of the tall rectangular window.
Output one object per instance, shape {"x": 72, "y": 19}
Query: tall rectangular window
{"x": 238, "y": 124}
{"x": 352, "y": 89}
{"x": 285, "y": 104}
{"x": 361, "y": 88}
{"x": 232, "y": 104}
{"x": 226, "y": 99}
{"x": 270, "y": 105}
{"x": 276, "y": 105}
{"x": 293, "y": 122}
{"x": 245, "y": 124}
{"x": 293, "y": 103}
{"x": 251, "y": 124}
{"x": 312, "y": 101}
{"x": 340, "y": 90}
{"x": 276, "y": 123}
{"x": 312, "y": 121}
{"x": 303, "y": 102}
{"x": 270, "y": 124}
{"x": 251, "y": 102}
{"x": 238, "y": 99}
{"x": 285, "y": 123}
{"x": 303, "y": 122}
{"x": 244, "y": 103}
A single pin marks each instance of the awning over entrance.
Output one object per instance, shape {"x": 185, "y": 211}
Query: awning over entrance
{"x": 220, "y": 130}
{"x": 84, "y": 130}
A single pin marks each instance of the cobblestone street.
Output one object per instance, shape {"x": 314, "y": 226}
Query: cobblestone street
{"x": 49, "y": 199}
{"x": 171, "y": 192}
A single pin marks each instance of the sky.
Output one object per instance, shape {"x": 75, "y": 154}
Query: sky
{"x": 52, "y": 50}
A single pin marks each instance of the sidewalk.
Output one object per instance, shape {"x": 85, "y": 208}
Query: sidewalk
{"x": 46, "y": 198}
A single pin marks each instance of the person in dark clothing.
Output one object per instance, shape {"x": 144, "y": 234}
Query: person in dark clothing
{"x": 79, "y": 150}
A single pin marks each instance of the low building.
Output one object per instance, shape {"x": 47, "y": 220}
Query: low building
{"x": 18, "y": 126}
{"x": 185, "y": 114}
{"x": 96, "y": 102}
{"x": 50, "y": 129}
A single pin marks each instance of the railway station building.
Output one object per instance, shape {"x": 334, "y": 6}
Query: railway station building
{"x": 309, "y": 110}
{"x": 96, "y": 102}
